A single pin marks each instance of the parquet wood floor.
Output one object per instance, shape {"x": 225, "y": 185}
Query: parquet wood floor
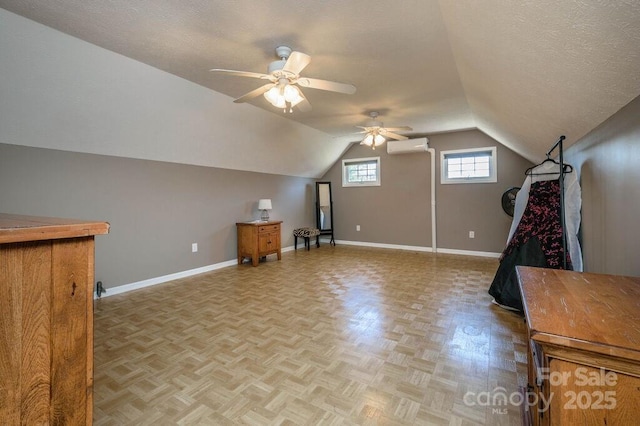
{"x": 333, "y": 336}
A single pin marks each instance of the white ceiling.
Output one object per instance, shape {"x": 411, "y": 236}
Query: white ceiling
{"x": 524, "y": 72}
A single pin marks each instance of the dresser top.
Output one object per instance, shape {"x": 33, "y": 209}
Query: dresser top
{"x": 259, "y": 223}
{"x": 18, "y": 228}
{"x": 593, "y": 312}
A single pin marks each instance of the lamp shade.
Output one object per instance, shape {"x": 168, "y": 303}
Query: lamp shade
{"x": 284, "y": 95}
{"x": 274, "y": 97}
{"x": 373, "y": 139}
{"x": 264, "y": 204}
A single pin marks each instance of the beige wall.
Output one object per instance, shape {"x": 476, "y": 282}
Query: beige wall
{"x": 399, "y": 211}
{"x": 608, "y": 161}
{"x": 156, "y": 209}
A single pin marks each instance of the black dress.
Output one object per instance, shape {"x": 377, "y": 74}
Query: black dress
{"x": 537, "y": 241}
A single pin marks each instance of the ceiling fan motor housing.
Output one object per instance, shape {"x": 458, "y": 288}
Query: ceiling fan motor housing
{"x": 276, "y": 66}
{"x": 283, "y": 52}
{"x": 373, "y": 122}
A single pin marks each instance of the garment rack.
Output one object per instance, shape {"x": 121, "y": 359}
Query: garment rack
{"x": 558, "y": 145}
{"x": 563, "y": 169}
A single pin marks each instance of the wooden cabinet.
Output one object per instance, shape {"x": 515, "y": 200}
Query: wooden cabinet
{"x": 584, "y": 347}
{"x": 258, "y": 239}
{"x": 46, "y": 320}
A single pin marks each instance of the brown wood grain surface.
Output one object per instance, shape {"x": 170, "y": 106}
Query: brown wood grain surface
{"x": 10, "y": 327}
{"x": 583, "y": 327}
{"x": 69, "y": 330}
{"x": 600, "y": 403}
{"x": 18, "y": 228}
{"x": 589, "y": 311}
{"x": 258, "y": 239}
{"x": 36, "y": 328}
{"x": 46, "y": 315}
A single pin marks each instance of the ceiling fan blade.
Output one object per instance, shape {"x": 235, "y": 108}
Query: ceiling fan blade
{"x": 254, "y": 93}
{"x": 387, "y": 134}
{"x": 331, "y": 86}
{"x": 399, "y": 129}
{"x": 242, "y": 73}
{"x": 296, "y": 62}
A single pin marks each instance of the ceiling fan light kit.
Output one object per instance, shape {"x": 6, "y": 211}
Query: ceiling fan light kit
{"x": 376, "y": 134}
{"x": 373, "y": 140}
{"x": 284, "y": 75}
{"x": 284, "y": 95}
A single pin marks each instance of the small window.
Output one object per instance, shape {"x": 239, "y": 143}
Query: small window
{"x": 361, "y": 172}
{"x": 477, "y": 165}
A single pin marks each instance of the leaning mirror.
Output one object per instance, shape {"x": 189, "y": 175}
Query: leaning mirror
{"x": 324, "y": 209}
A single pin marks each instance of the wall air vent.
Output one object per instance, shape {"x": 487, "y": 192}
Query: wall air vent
{"x": 407, "y": 146}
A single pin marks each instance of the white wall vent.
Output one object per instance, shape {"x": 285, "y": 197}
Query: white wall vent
{"x": 407, "y": 146}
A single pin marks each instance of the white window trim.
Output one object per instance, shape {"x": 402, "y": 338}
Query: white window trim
{"x": 493, "y": 168}
{"x": 346, "y": 162}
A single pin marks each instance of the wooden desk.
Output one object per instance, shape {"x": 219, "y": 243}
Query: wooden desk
{"x": 258, "y": 239}
{"x": 584, "y": 346}
{"x": 46, "y": 320}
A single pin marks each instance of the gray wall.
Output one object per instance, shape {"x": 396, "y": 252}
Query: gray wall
{"x": 399, "y": 211}
{"x": 156, "y": 209}
{"x": 396, "y": 212}
{"x": 608, "y": 161}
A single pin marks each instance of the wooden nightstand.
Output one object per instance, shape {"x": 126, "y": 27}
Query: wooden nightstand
{"x": 258, "y": 239}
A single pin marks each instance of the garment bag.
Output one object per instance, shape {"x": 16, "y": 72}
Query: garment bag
{"x": 535, "y": 237}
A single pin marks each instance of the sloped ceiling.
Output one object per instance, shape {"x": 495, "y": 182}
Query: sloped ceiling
{"x": 524, "y": 72}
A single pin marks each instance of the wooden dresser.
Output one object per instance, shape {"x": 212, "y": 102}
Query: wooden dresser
{"x": 584, "y": 347}
{"x": 46, "y": 320}
{"x": 258, "y": 239}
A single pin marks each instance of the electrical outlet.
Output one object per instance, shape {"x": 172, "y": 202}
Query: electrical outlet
{"x": 358, "y": 228}
{"x": 472, "y": 234}
{"x": 194, "y": 247}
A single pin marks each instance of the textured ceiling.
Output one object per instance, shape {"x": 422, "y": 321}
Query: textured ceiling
{"x": 523, "y": 72}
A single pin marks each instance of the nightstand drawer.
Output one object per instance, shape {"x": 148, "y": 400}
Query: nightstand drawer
{"x": 268, "y": 228}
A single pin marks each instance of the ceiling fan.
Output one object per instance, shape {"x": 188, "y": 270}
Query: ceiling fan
{"x": 283, "y": 76}
{"x": 376, "y": 133}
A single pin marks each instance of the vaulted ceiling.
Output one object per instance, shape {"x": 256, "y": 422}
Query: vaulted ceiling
{"x": 523, "y": 72}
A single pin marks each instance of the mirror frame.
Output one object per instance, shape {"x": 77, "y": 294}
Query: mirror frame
{"x": 326, "y": 231}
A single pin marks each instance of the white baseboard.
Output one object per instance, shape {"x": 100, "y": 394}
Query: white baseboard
{"x": 382, "y": 245}
{"x": 420, "y": 248}
{"x": 165, "y": 278}
{"x": 286, "y": 249}
{"x": 470, "y": 253}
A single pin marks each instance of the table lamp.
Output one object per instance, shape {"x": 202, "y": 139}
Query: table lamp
{"x": 264, "y": 205}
